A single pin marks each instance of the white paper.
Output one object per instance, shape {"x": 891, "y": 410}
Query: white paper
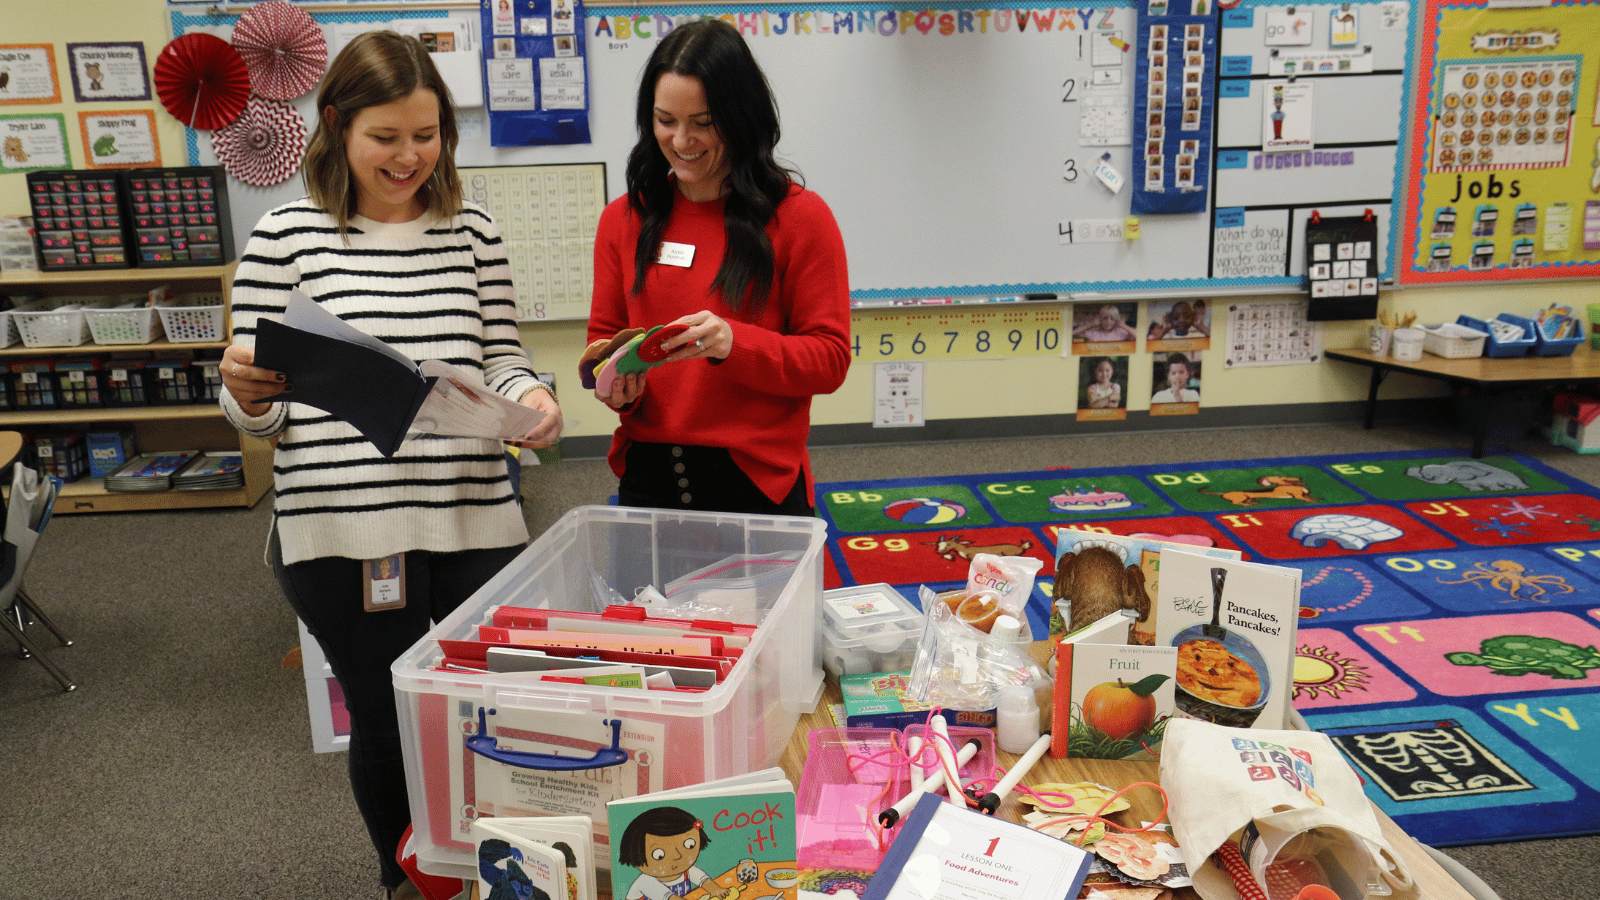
{"x": 460, "y": 404}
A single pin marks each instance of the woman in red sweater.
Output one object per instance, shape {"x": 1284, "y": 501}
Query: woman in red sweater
{"x": 714, "y": 234}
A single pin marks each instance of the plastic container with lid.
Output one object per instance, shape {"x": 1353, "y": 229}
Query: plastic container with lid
{"x": 868, "y": 628}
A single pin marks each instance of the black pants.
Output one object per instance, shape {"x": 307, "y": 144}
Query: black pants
{"x": 684, "y": 476}
{"x": 360, "y": 646}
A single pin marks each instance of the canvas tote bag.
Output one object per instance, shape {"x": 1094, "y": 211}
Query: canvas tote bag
{"x": 1276, "y": 795}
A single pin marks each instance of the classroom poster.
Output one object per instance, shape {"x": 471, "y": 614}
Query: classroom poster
{"x": 120, "y": 139}
{"x": 1509, "y": 160}
{"x": 535, "y": 75}
{"x": 33, "y": 143}
{"x": 103, "y": 72}
{"x": 1102, "y": 388}
{"x": 28, "y": 74}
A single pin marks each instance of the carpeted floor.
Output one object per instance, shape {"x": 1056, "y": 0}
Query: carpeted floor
{"x": 182, "y": 765}
{"x": 1417, "y": 571}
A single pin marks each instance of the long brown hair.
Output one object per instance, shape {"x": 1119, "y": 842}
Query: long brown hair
{"x": 746, "y": 118}
{"x": 376, "y": 68}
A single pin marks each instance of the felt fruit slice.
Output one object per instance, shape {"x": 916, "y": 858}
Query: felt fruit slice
{"x": 1120, "y": 709}
{"x": 608, "y": 372}
{"x": 596, "y": 354}
{"x": 650, "y": 350}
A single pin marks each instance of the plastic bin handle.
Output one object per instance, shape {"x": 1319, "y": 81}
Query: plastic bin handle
{"x": 483, "y": 744}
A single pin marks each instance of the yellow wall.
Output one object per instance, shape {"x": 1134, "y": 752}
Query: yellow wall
{"x": 954, "y": 389}
{"x": 1047, "y": 385}
{"x": 58, "y": 22}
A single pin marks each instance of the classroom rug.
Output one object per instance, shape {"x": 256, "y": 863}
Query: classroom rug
{"x": 1450, "y": 606}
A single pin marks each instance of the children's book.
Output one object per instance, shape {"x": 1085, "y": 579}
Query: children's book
{"x": 535, "y": 858}
{"x": 1234, "y": 625}
{"x": 1099, "y": 573}
{"x": 722, "y": 840}
{"x": 377, "y": 389}
{"x": 1112, "y": 701}
{"x": 945, "y": 851}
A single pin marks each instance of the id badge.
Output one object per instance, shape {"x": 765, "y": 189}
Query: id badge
{"x": 671, "y": 254}
{"x": 383, "y": 585}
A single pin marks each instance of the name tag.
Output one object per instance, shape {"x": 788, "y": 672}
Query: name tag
{"x": 680, "y": 255}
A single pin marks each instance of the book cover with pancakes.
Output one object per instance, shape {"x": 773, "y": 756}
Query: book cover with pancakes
{"x": 1234, "y": 626}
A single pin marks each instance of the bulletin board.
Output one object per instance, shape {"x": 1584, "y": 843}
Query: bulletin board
{"x": 956, "y": 143}
{"x": 1345, "y": 158}
{"x": 1506, "y": 182}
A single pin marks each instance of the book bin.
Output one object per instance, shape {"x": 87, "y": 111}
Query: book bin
{"x": 539, "y": 734}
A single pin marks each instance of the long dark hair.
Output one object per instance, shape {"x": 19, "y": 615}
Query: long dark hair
{"x": 376, "y": 68}
{"x": 745, "y": 116}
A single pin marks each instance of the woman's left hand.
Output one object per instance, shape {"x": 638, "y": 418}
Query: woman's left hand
{"x": 708, "y": 336}
{"x": 548, "y": 431}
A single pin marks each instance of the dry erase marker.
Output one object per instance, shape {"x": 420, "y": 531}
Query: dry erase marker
{"x": 991, "y": 800}
{"x": 932, "y": 783}
{"x": 913, "y": 749}
{"x": 947, "y": 760}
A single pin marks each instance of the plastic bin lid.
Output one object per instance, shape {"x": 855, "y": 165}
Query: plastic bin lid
{"x": 868, "y": 613}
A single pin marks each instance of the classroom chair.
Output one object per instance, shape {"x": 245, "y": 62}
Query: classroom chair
{"x": 32, "y": 498}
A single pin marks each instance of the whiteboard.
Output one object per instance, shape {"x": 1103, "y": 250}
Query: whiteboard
{"x": 954, "y": 144}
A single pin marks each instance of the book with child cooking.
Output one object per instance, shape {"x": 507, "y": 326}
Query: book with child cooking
{"x": 727, "y": 839}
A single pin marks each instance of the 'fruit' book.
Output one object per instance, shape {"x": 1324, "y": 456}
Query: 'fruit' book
{"x": 1112, "y": 701}
{"x": 731, "y": 839}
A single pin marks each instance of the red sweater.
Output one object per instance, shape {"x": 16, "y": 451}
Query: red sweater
{"x": 757, "y": 402}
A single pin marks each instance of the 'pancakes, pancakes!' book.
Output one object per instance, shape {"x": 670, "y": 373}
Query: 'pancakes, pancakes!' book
{"x": 1234, "y": 625}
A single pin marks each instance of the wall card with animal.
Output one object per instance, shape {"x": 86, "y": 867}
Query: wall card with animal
{"x": 1447, "y": 622}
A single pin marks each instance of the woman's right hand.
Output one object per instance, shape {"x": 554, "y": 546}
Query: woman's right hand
{"x": 253, "y": 387}
{"x": 625, "y": 390}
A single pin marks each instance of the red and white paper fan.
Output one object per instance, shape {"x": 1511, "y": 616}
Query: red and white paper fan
{"x": 283, "y": 48}
{"x": 264, "y": 145}
{"x": 202, "y": 80}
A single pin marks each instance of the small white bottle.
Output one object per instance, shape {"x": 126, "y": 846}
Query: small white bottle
{"x": 1017, "y": 719}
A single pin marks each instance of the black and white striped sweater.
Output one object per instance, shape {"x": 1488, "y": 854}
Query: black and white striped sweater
{"x": 433, "y": 290}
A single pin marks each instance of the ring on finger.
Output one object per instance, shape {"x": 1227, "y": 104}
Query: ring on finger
{"x": 699, "y": 344}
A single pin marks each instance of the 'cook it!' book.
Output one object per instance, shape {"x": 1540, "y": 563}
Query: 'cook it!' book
{"x": 727, "y": 839}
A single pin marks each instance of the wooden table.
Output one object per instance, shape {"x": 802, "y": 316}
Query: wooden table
{"x": 1145, "y": 805}
{"x": 1481, "y": 375}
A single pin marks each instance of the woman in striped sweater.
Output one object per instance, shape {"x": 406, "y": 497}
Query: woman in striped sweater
{"x": 386, "y": 242}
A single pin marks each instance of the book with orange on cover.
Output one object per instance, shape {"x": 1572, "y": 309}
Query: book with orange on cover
{"x": 1112, "y": 701}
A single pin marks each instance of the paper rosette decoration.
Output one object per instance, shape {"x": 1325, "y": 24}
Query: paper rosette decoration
{"x": 264, "y": 145}
{"x": 202, "y": 81}
{"x": 283, "y": 49}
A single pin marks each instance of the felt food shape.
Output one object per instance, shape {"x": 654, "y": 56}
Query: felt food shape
{"x": 1065, "y": 827}
{"x": 1079, "y": 798}
{"x": 639, "y": 351}
{"x": 1134, "y": 856}
{"x": 650, "y": 350}
{"x": 596, "y": 354}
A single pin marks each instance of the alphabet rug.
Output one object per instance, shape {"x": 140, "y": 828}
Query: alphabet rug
{"x": 1449, "y": 608}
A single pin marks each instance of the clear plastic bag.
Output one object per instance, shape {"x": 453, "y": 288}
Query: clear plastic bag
{"x": 960, "y": 667}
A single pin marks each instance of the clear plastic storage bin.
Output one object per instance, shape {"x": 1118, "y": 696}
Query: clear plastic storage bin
{"x": 596, "y": 556}
{"x": 868, "y": 628}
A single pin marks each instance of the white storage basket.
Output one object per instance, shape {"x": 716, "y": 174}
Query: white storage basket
{"x": 1453, "y": 341}
{"x": 193, "y": 318}
{"x": 54, "y": 321}
{"x": 129, "y": 323}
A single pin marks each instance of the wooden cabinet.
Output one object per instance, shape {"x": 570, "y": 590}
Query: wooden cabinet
{"x": 200, "y": 426}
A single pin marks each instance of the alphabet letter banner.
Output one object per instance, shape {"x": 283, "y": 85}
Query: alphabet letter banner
{"x": 1506, "y": 183}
